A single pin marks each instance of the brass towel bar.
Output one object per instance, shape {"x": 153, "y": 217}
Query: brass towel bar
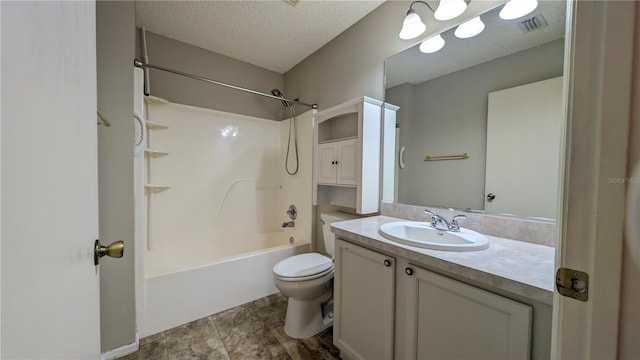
{"x": 447, "y": 157}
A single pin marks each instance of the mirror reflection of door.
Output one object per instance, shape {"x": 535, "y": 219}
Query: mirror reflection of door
{"x": 523, "y": 138}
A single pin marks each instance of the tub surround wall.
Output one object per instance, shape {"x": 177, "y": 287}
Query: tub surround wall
{"x": 228, "y": 194}
{"x": 216, "y": 231}
{"x": 542, "y": 232}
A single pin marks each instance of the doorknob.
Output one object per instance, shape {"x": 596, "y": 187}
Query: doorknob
{"x": 115, "y": 249}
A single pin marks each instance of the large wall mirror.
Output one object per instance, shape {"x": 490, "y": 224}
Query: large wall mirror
{"x": 497, "y": 97}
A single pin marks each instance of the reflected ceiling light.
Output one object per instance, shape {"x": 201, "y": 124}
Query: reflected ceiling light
{"x": 412, "y": 26}
{"x": 470, "y": 28}
{"x": 449, "y": 9}
{"x": 432, "y": 44}
{"x": 514, "y": 9}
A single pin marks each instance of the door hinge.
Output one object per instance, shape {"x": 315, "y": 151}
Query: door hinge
{"x": 573, "y": 283}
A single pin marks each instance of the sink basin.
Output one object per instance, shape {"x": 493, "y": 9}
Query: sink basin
{"x": 422, "y": 234}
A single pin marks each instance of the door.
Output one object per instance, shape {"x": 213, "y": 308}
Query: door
{"x": 438, "y": 312}
{"x": 347, "y": 162}
{"x": 363, "y": 302}
{"x": 591, "y": 221}
{"x": 523, "y": 143}
{"x": 50, "y": 288}
{"x": 327, "y": 163}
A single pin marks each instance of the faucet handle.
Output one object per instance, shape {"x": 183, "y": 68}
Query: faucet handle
{"x": 430, "y": 212}
{"x": 455, "y": 219}
{"x": 434, "y": 217}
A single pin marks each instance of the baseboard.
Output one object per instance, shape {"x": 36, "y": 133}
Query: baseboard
{"x": 122, "y": 350}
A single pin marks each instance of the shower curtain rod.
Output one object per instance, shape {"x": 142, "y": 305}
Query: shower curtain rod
{"x": 140, "y": 64}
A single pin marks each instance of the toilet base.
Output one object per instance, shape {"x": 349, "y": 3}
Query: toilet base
{"x": 306, "y": 318}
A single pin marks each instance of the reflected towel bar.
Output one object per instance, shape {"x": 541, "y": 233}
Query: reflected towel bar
{"x": 104, "y": 120}
{"x": 447, "y": 157}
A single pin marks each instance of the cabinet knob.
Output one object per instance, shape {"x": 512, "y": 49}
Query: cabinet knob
{"x": 408, "y": 271}
{"x": 387, "y": 263}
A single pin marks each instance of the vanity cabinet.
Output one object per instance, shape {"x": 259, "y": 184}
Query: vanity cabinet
{"x": 438, "y": 317}
{"x": 337, "y": 162}
{"x": 347, "y": 153}
{"x": 364, "y": 297}
{"x": 433, "y": 317}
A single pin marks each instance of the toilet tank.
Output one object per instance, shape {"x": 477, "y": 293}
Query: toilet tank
{"x": 329, "y": 237}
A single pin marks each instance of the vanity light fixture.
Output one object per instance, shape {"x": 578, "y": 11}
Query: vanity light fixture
{"x": 432, "y": 44}
{"x": 470, "y": 28}
{"x": 412, "y": 26}
{"x": 449, "y": 9}
{"x": 514, "y": 9}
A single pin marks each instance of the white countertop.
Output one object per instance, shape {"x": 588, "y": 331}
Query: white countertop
{"x": 517, "y": 267}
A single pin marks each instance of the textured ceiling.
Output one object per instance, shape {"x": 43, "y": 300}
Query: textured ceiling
{"x": 500, "y": 38}
{"x": 271, "y": 34}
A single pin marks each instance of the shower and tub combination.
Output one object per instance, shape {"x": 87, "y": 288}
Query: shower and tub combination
{"x": 213, "y": 215}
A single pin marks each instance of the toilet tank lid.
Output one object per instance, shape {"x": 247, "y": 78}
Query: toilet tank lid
{"x": 302, "y": 265}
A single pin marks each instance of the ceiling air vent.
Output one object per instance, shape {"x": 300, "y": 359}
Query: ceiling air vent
{"x": 533, "y": 22}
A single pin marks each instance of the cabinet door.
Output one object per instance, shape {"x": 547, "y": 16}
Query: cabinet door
{"x": 347, "y": 162}
{"x": 448, "y": 319}
{"x": 363, "y": 302}
{"x": 326, "y": 163}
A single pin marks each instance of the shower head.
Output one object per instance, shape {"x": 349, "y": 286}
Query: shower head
{"x": 276, "y": 92}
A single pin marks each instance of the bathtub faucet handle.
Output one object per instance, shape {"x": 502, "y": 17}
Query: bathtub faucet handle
{"x": 292, "y": 212}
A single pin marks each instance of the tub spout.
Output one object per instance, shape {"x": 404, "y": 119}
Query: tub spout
{"x": 288, "y": 224}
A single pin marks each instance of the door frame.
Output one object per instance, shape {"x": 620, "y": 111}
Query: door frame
{"x": 598, "y": 65}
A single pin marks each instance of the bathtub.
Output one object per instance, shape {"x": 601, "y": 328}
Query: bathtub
{"x": 182, "y": 296}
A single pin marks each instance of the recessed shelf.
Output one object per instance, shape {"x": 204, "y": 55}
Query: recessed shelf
{"x": 340, "y": 139}
{"x": 155, "y": 153}
{"x": 155, "y": 126}
{"x": 155, "y": 100}
{"x": 156, "y": 187}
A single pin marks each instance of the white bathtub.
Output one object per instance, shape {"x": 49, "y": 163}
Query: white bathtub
{"x": 183, "y": 296}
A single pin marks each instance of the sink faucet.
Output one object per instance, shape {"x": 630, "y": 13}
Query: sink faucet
{"x": 441, "y": 223}
{"x": 288, "y": 224}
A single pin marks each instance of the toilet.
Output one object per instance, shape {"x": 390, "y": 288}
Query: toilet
{"x": 307, "y": 280}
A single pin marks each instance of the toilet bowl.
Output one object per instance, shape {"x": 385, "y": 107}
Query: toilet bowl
{"x": 307, "y": 281}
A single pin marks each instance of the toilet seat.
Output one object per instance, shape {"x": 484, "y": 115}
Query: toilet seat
{"x": 303, "y": 267}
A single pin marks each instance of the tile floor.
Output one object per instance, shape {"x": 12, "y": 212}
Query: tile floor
{"x": 251, "y": 331}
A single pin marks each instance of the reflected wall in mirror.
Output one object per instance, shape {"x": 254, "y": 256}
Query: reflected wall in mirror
{"x": 444, "y": 101}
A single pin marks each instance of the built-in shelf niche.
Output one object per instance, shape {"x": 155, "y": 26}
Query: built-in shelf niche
{"x": 347, "y": 142}
{"x": 341, "y": 127}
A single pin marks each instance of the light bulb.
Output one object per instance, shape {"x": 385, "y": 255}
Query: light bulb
{"x": 514, "y": 9}
{"x": 412, "y": 26}
{"x": 470, "y": 28}
{"x": 432, "y": 45}
{"x": 449, "y": 9}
